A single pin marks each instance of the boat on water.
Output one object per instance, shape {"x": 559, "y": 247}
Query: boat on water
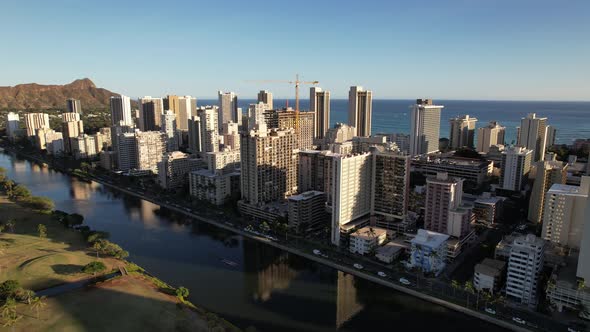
{"x": 228, "y": 262}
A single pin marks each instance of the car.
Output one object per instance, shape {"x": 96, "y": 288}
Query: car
{"x": 382, "y": 274}
{"x": 317, "y": 252}
{"x": 358, "y": 266}
{"x": 490, "y": 311}
{"x": 572, "y": 329}
{"x": 404, "y": 281}
{"x": 518, "y": 320}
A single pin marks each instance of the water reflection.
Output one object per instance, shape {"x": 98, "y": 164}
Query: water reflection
{"x": 266, "y": 288}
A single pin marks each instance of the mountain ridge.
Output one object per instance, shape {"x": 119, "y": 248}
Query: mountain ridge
{"x": 29, "y": 96}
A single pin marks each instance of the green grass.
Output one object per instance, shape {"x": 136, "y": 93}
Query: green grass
{"x": 38, "y": 263}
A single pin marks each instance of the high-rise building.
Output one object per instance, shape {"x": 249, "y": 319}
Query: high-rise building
{"x": 268, "y": 165}
{"x": 184, "y": 112}
{"x": 73, "y": 106}
{"x": 314, "y": 171}
{"x": 151, "y": 147}
{"x": 360, "y": 109}
{"x": 194, "y": 134}
{"x": 564, "y": 214}
{"x": 121, "y": 111}
{"x": 34, "y": 121}
{"x": 351, "y": 186}
{"x": 583, "y": 270}
{"x": 307, "y": 211}
{"x": 72, "y": 127}
{"x": 525, "y": 265}
{"x": 515, "y": 167}
{"x": 209, "y": 130}
{"x": 83, "y": 146}
{"x": 12, "y": 125}
{"x": 169, "y": 128}
{"x": 533, "y": 135}
{"x": 126, "y": 148}
{"x": 424, "y": 127}
{"x": 492, "y": 134}
{"x": 150, "y": 113}
{"x": 257, "y": 116}
{"x": 547, "y": 174}
{"x": 265, "y": 97}
{"x": 171, "y": 102}
{"x": 228, "y": 109}
{"x": 319, "y": 104}
{"x": 102, "y": 139}
{"x": 340, "y": 133}
{"x": 45, "y": 136}
{"x": 231, "y": 136}
{"x": 302, "y": 123}
{"x": 174, "y": 168}
{"x": 551, "y": 134}
{"x": 443, "y": 211}
{"x": 462, "y": 132}
{"x": 391, "y": 183}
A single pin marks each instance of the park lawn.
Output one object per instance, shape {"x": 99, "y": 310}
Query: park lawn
{"x": 128, "y": 303}
{"x": 39, "y": 263}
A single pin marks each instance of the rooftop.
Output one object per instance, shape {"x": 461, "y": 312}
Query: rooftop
{"x": 369, "y": 232}
{"x": 306, "y": 195}
{"x": 429, "y": 238}
{"x": 491, "y": 267}
{"x": 565, "y": 189}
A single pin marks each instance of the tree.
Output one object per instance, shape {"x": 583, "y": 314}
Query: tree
{"x": 74, "y": 219}
{"x": 10, "y": 224}
{"x": 20, "y": 193}
{"x": 41, "y": 203}
{"x": 581, "y": 284}
{"x": 455, "y": 284}
{"x": 8, "y": 309}
{"x": 8, "y": 288}
{"x": 182, "y": 293}
{"x": 42, "y": 230}
{"x": 97, "y": 235}
{"x": 2, "y": 228}
{"x": 94, "y": 268}
{"x": 469, "y": 287}
{"x": 264, "y": 226}
{"x": 38, "y": 303}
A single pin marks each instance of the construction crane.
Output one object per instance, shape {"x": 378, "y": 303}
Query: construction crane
{"x": 297, "y": 82}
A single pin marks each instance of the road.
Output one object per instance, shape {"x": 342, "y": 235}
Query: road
{"x": 427, "y": 289}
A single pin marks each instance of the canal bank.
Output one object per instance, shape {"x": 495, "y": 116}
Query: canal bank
{"x": 270, "y": 297}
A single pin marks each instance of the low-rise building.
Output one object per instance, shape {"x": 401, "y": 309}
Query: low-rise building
{"x": 215, "y": 188}
{"x": 488, "y": 275}
{"x": 428, "y": 251}
{"x": 174, "y": 167}
{"x": 307, "y": 211}
{"x": 564, "y": 290}
{"x": 390, "y": 251}
{"x": 364, "y": 240}
{"x": 83, "y": 146}
{"x": 487, "y": 208}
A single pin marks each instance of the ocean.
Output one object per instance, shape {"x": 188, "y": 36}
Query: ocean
{"x": 572, "y": 119}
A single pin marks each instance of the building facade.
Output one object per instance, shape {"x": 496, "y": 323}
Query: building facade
{"x": 492, "y": 134}
{"x": 319, "y": 104}
{"x": 360, "y": 110}
{"x": 525, "y": 265}
{"x": 121, "y": 111}
{"x": 547, "y": 174}
{"x": 516, "y": 165}
{"x": 533, "y": 135}
{"x": 424, "y": 127}
{"x": 462, "y": 132}
{"x": 307, "y": 211}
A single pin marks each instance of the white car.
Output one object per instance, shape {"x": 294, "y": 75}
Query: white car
{"x": 519, "y": 320}
{"x": 571, "y": 329}
{"x": 382, "y": 274}
{"x": 317, "y": 252}
{"x": 358, "y": 266}
{"x": 404, "y": 281}
{"x": 490, "y": 311}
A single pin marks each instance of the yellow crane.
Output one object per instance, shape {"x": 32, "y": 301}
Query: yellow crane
{"x": 297, "y": 82}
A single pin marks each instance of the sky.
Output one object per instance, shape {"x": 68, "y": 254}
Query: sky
{"x": 469, "y": 49}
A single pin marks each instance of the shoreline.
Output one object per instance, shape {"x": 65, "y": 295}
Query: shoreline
{"x": 390, "y": 284}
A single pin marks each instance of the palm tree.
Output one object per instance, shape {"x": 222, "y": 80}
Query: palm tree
{"x": 8, "y": 309}
{"x": 455, "y": 284}
{"x": 38, "y": 303}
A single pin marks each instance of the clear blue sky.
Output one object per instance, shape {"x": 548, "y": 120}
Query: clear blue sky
{"x": 470, "y": 49}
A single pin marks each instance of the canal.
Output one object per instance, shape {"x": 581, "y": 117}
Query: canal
{"x": 246, "y": 282}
